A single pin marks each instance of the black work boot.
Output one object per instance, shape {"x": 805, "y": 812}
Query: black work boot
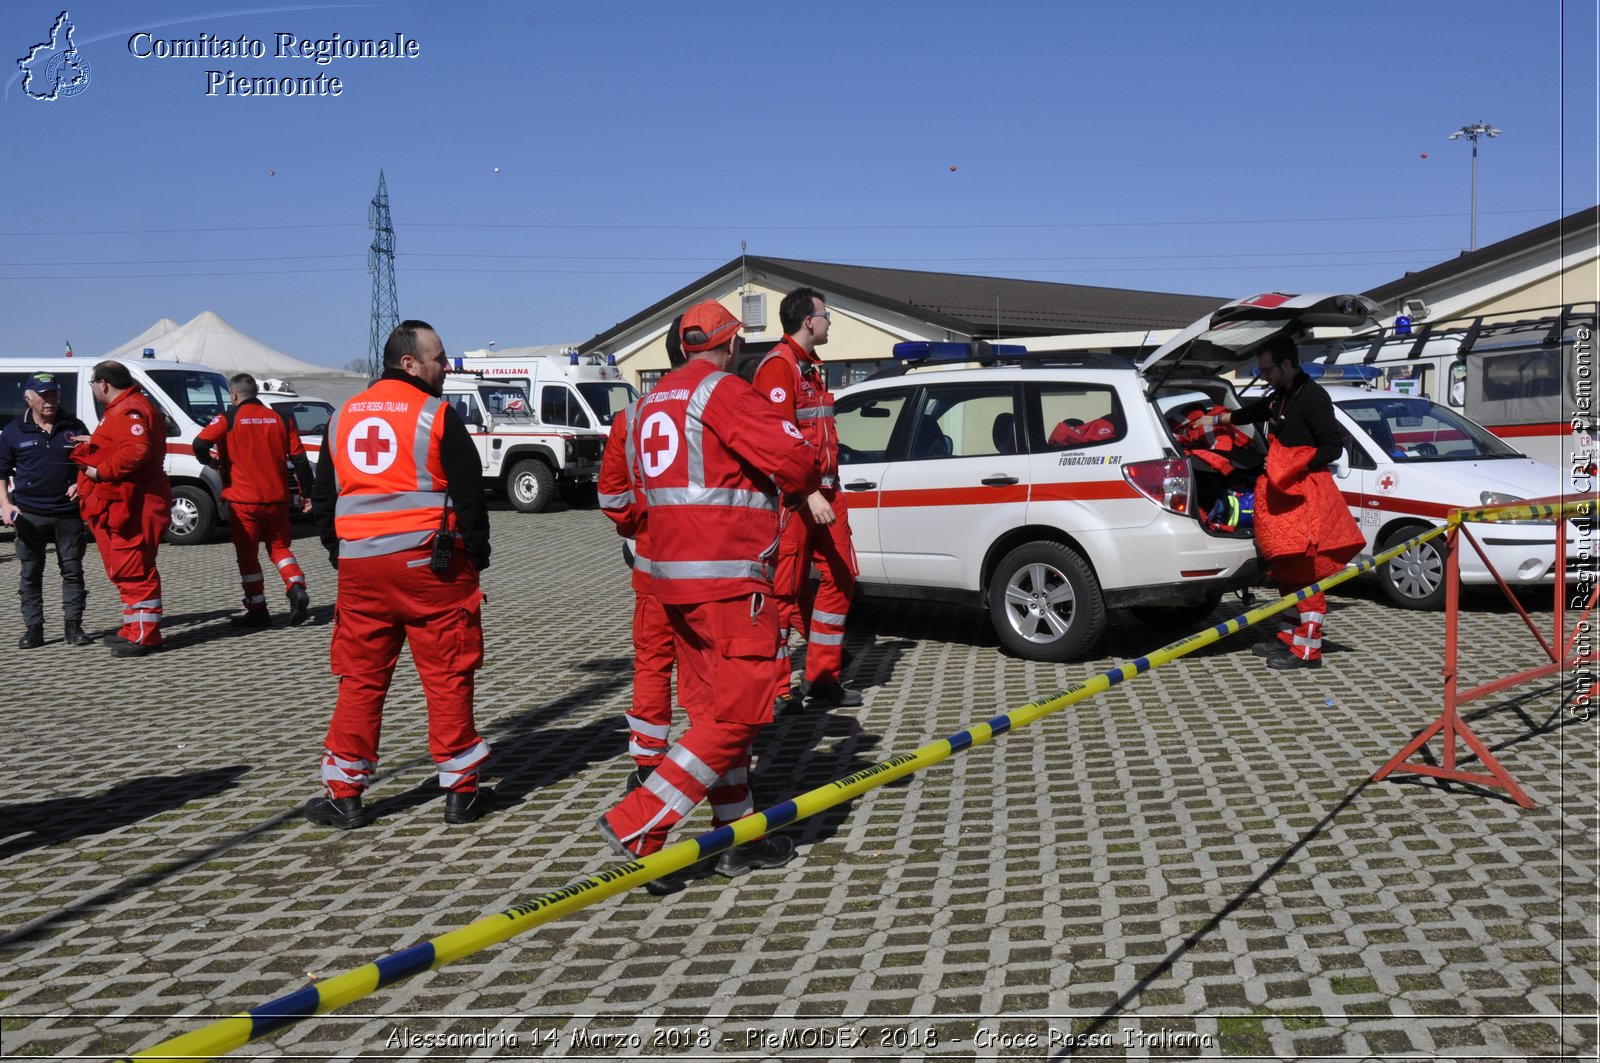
{"x": 636, "y": 779}
{"x": 467, "y": 806}
{"x": 32, "y": 638}
{"x": 76, "y": 636}
{"x": 345, "y": 813}
{"x": 252, "y": 619}
{"x": 774, "y": 850}
{"x": 299, "y": 605}
{"x": 833, "y": 695}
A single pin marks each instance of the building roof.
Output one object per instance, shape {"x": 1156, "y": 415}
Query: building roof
{"x": 1579, "y": 225}
{"x": 970, "y": 305}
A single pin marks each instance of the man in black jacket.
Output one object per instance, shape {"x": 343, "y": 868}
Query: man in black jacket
{"x": 399, "y": 503}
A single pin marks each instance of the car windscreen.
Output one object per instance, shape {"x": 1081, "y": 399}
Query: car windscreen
{"x": 309, "y": 418}
{"x": 201, "y": 394}
{"x": 1417, "y": 430}
{"x": 506, "y": 401}
{"x": 607, "y": 397}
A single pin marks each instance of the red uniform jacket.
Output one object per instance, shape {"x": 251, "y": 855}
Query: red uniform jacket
{"x": 793, "y": 382}
{"x": 128, "y": 450}
{"x": 712, "y": 455}
{"x": 256, "y": 445}
{"x": 618, "y": 498}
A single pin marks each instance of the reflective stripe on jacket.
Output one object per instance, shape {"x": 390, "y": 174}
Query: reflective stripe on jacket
{"x": 384, "y": 444}
{"x": 708, "y": 452}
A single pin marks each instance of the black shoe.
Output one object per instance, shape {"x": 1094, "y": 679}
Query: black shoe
{"x": 345, "y": 813}
{"x": 76, "y": 636}
{"x": 1272, "y": 647}
{"x": 32, "y": 638}
{"x": 833, "y": 695}
{"x": 466, "y": 806}
{"x": 124, "y": 648}
{"x": 1287, "y": 661}
{"x": 636, "y": 779}
{"x": 791, "y": 702}
{"x": 774, "y": 850}
{"x": 299, "y": 605}
{"x": 253, "y": 618}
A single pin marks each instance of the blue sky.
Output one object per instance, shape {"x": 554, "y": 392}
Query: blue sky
{"x": 1219, "y": 148}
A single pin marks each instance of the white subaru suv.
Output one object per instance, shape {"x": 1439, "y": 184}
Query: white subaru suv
{"x": 1043, "y": 487}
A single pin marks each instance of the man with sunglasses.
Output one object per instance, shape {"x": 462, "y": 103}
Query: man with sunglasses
{"x": 791, "y": 377}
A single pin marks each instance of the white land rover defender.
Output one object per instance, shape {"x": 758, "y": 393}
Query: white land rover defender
{"x": 526, "y": 459}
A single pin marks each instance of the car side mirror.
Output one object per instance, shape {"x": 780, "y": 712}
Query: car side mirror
{"x": 1341, "y": 465}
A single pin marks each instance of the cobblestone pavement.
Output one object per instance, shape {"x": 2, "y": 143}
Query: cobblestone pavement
{"x": 1192, "y": 864}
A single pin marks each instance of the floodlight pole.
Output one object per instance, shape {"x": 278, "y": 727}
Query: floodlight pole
{"x": 1472, "y": 133}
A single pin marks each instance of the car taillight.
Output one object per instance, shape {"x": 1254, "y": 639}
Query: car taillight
{"x": 1166, "y": 483}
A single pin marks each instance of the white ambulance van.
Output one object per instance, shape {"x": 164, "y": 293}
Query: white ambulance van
{"x": 189, "y": 395}
{"x": 579, "y": 391}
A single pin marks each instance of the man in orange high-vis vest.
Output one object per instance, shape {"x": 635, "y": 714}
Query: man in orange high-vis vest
{"x": 791, "y": 377}
{"x": 255, "y": 445}
{"x": 398, "y": 471}
{"x": 127, "y": 501}
{"x": 712, "y": 457}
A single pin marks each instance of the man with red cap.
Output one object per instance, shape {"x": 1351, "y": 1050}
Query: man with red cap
{"x": 127, "y": 501}
{"x": 791, "y": 378}
{"x": 650, "y": 716}
{"x": 256, "y": 445}
{"x": 712, "y": 458}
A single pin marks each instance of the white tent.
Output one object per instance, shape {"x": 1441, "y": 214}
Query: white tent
{"x": 210, "y": 341}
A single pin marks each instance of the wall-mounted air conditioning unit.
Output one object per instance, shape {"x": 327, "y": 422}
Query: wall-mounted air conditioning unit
{"x": 753, "y": 311}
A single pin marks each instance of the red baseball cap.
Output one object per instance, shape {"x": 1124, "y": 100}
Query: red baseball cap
{"x": 713, "y": 321}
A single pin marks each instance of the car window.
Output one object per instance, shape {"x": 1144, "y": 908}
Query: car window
{"x": 555, "y": 407}
{"x": 965, "y": 421}
{"x": 309, "y": 418}
{"x": 199, "y": 393}
{"x": 469, "y": 410}
{"x": 1078, "y": 415}
{"x": 866, "y": 424}
{"x": 1412, "y": 430}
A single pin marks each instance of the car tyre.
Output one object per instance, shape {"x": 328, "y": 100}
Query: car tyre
{"x": 1045, "y": 603}
{"x": 194, "y": 516}
{"x": 530, "y": 485}
{"x": 1415, "y": 579}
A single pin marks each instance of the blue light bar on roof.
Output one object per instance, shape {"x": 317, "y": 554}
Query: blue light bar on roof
{"x": 1319, "y": 371}
{"x": 980, "y": 351}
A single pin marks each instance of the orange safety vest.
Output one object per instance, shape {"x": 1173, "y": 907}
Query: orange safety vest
{"x": 384, "y": 445}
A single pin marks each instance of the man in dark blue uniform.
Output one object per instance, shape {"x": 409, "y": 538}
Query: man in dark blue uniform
{"x": 43, "y": 505}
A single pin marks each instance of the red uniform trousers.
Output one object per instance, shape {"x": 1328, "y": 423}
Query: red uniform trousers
{"x": 654, "y": 649}
{"x": 819, "y": 613}
{"x": 1301, "y": 632}
{"x": 253, "y": 525}
{"x": 384, "y": 602}
{"x": 725, "y": 683}
{"x": 129, "y": 555}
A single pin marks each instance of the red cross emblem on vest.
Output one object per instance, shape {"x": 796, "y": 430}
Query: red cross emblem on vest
{"x": 658, "y": 444}
{"x": 372, "y": 446}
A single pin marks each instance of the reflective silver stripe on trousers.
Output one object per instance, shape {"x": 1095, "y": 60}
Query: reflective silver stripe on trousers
{"x": 380, "y": 545}
{"x": 710, "y": 496}
{"x": 286, "y": 562}
{"x": 735, "y": 777}
{"x": 463, "y": 766}
{"x": 710, "y": 570}
{"x": 730, "y": 812}
{"x": 812, "y": 413}
{"x": 692, "y": 764}
{"x": 351, "y": 505}
{"x": 821, "y": 638}
{"x": 256, "y": 578}
{"x": 653, "y": 730}
{"x": 819, "y": 617}
{"x": 419, "y": 445}
{"x": 621, "y": 501}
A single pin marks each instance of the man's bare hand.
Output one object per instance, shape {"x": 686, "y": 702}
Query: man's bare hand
{"x": 305, "y": 505}
{"x": 8, "y": 514}
{"x": 821, "y": 511}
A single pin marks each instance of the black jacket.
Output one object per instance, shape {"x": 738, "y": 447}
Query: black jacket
{"x": 1302, "y": 416}
{"x": 463, "y": 470}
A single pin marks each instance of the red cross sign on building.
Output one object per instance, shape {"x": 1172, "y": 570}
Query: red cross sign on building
{"x": 372, "y": 446}
{"x": 658, "y": 444}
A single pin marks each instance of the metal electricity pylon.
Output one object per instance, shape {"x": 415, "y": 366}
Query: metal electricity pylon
{"x": 380, "y": 263}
